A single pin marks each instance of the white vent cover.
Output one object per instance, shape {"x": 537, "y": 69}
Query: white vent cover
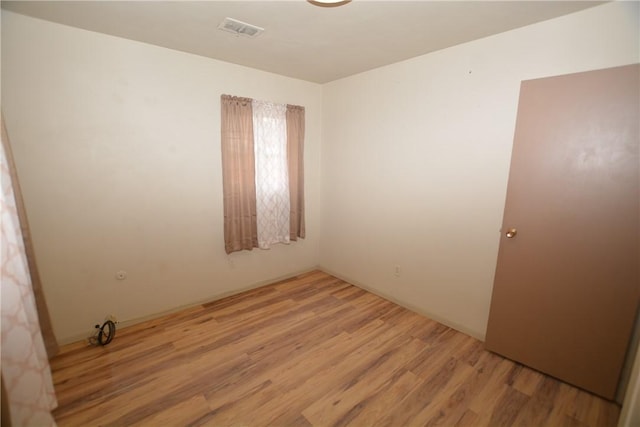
{"x": 240, "y": 28}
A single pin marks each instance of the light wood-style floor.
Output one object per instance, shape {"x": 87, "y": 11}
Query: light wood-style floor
{"x": 311, "y": 350}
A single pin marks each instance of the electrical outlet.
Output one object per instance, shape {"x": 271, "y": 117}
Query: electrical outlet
{"x": 121, "y": 275}
{"x": 396, "y": 271}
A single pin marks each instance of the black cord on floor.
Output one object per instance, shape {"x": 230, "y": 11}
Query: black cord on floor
{"x": 105, "y": 333}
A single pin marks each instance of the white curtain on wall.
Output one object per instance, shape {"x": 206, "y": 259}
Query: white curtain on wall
{"x": 272, "y": 179}
{"x": 25, "y": 367}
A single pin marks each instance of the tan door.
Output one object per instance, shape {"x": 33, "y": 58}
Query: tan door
{"x": 567, "y": 281}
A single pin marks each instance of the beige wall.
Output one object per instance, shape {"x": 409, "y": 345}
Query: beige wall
{"x": 117, "y": 146}
{"x": 118, "y": 150}
{"x": 416, "y": 158}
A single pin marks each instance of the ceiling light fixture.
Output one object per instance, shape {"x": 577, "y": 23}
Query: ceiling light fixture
{"x": 328, "y": 3}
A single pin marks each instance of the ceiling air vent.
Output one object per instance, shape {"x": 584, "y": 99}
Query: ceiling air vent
{"x": 240, "y": 28}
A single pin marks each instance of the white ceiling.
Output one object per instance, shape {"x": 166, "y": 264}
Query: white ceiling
{"x": 301, "y": 40}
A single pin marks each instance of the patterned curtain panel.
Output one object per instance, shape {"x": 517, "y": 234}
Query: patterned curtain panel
{"x": 26, "y": 373}
{"x": 50, "y": 342}
{"x": 272, "y": 179}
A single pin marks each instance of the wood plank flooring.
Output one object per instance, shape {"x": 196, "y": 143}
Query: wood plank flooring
{"x": 311, "y": 350}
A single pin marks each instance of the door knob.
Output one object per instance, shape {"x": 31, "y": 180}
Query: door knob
{"x": 511, "y": 233}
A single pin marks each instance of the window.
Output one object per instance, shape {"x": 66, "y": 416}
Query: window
{"x": 262, "y": 164}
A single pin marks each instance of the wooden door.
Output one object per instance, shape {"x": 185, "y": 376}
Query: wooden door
{"x": 566, "y": 288}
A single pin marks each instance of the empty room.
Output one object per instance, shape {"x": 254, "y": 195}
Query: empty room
{"x": 320, "y": 213}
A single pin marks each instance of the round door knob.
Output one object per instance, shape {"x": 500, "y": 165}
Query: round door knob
{"x": 511, "y": 233}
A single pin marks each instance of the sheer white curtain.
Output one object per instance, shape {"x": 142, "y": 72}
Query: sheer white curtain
{"x": 272, "y": 180}
{"x": 25, "y": 367}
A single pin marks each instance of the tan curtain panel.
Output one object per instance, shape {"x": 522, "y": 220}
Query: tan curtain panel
{"x": 50, "y": 342}
{"x": 295, "y": 155}
{"x": 238, "y": 174}
{"x": 5, "y": 417}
